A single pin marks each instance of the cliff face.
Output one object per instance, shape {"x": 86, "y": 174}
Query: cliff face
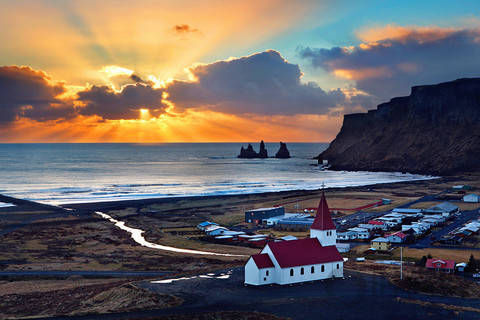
{"x": 435, "y": 130}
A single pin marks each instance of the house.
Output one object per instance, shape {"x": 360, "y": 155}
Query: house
{"x": 215, "y": 230}
{"x": 343, "y": 247}
{"x": 360, "y": 233}
{"x": 390, "y": 222}
{"x": 378, "y": 224}
{"x": 287, "y": 262}
{"x": 386, "y": 201}
{"x": 202, "y": 226}
{"x": 298, "y": 222}
{"x": 381, "y": 244}
{"x": 462, "y": 187}
{"x": 446, "y": 209}
{"x": 416, "y": 229}
{"x": 447, "y": 266}
{"x": 346, "y": 235}
{"x": 471, "y": 198}
{"x": 288, "y": 238}
{"x": 407, "y": 210}
{"x": 397, "y": 237}
{"x": 369, "y": 227}
{"x": 257, "y": 215}
{"x": 461, "y": 266}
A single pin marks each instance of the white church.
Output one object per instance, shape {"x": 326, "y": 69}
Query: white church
{"x": 294, "y": 261}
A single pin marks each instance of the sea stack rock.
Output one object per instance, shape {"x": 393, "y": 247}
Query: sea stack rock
{"x": 263, "y": 151}
{"x": 283, "y": 152}
{"x": 248, "y": 153}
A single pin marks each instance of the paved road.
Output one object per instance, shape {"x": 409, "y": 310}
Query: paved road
{"x": 67, "y": 273}
{"x": 358, "y": 296}
{"x": 464, "y": 217}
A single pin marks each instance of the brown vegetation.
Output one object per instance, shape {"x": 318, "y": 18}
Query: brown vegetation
{"x": 117, "y": 296}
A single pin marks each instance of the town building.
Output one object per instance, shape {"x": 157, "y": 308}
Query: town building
{"x": 287, "y": 262}
{"x": 360, "y": 233}
{"x": 202, "y": 226}
{"x": 215, "y": 230}
{"x": 346, "y": 235}
{"x": 447, "y": 266}
{"x": 446, "y": 209}
{"x": 257, "y": 215}
{"x": 407, "y": 210}
{"x": 397, "y": 237}
{"x": 381, "y": 244}
{"x": 472, "y": 197}
{"x": 378, "y": 224}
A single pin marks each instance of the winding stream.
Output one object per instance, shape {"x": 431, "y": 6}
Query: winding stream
{"x": 137, "y": 236}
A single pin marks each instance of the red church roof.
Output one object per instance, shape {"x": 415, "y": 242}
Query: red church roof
{"x": 303, "y": 252}
{"x": 262, "y": 261}
{"x": 323, "y": 221}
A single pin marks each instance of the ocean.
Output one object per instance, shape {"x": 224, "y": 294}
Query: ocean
{"x": 79, "y": 173}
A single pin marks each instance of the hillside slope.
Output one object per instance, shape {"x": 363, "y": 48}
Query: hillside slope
{"x": 435, "y": 130}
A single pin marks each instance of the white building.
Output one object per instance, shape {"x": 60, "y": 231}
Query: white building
{"x": 360, "y": 233}
{"x": 215, "y": 230}
{"x": 446, "y": 209}
{"x": 301, "y": 260}
{"x": 397, "y": 237}
{"x": 346, "y": 235}
{"x": 407, "y": 210}
{"x": 471, "y": 198}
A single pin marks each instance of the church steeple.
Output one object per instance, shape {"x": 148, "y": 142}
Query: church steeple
{"x": 323, "y": 221}
{"x": 323, "y": 227}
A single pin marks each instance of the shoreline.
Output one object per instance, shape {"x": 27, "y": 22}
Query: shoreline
{"x": 284, "y": 194}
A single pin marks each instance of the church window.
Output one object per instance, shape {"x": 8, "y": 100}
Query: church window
{"x": 313, "y": 269}
{"x": 323, "y": 268}
{"x": 267, "y": 273}
{"x": 264, "y": 279}
{"x": 302, "y": 271}
{"x": 338, "y": 266}
{"x": 291, "y": 272}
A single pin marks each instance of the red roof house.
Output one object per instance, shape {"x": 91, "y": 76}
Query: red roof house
{"x": 440, "y": 265}
{"x": 376, "y": 223}
{"x": 323, "y": 221}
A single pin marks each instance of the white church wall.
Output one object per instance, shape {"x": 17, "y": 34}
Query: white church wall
{"x": 252, "y": 273}
{"x": 326, "y": 237}
{"x": 329, "y": 271}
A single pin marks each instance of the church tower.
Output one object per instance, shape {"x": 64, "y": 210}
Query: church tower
{"x": 323, "y": 227}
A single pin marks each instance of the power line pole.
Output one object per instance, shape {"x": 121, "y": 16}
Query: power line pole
{"x": 401, "y": 263}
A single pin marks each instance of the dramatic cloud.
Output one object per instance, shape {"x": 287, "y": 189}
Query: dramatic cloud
{"x": 126, "y": 104}
{"x": 263, "y": 83}
{"x": 184, "y": 28}
{"x": 27, "y": 93}
{"x": 395, "y": 58}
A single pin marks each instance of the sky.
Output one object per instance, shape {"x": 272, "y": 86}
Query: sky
{"x": 219, "y": 71}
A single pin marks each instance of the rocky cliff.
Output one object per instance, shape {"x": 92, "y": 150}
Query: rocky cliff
{"x": 434, "y": 130}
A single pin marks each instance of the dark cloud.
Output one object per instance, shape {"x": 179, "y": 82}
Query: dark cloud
{"x": 136, "y": 78}
{"x": 184, "y": 28}
{"x": 263, "y": 83}
{"x": 27, "y": 93}
{"x": 109, "y": 104}
{"x": 390, "y": 66}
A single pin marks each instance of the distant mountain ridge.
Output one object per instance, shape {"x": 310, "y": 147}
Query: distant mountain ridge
{"x": 434, "y": 130}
